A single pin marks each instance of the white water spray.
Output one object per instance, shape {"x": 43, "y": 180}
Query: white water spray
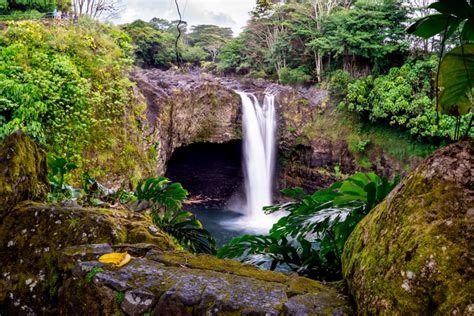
{"x": 259, "y": 129}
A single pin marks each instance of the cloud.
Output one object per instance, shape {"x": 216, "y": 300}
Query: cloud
{"x": 229, "y": 13}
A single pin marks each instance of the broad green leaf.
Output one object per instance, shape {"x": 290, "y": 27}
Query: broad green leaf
{"x": 456, "y": 78}
{"x": 431, "y": 25}
{"x": 459, "y": 8}
{"x": 468, "y": 30}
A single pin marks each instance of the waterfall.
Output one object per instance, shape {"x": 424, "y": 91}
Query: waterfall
{"x": 259, "y": 133}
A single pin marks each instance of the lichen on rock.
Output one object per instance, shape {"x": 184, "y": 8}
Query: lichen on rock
{"x": 413, "y": 253}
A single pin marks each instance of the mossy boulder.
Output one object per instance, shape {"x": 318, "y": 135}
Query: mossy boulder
{"x": 179, "y": 283}
{"x": 23, "y": 171}
{"x": 33, "y": 242}
{"x": 413, "y": 253}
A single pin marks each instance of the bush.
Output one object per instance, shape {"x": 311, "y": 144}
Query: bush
{"x": 403, "y": 98}
{"x": 296, "y": 76}
{"x": 166, "y": 200}
{"x": 339, "y": 82}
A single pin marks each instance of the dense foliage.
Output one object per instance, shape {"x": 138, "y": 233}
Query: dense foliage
{"x": 8, "y": 6}
{"x": 59, "y": 84}
{"x": 455, "y": 76}
{"x": 403, "y": 98}
{"x": 302, "y": 39}
{"x": 310, "y": 238}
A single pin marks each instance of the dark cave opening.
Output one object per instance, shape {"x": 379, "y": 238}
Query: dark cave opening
{"x": 212, "y": 173}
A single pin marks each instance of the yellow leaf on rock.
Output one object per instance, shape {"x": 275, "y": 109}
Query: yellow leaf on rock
{"x": 116, "y": 259}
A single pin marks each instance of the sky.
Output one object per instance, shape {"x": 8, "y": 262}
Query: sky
{"x": 228, "y": 13}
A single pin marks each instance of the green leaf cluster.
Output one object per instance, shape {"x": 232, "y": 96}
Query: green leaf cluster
{"x": 166, "y": 200}
{"x": 311, "y": 237}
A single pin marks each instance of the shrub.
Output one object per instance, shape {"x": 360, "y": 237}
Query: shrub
{"x": 294, "y": 76}
{"x": 339, "y": 82}
{"x": 403, "y": 98}
{"x": 58, "y": 83}
{"x": 166, "y": 200}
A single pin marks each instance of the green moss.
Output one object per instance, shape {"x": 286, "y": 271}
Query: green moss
{"x": 206, "y": 262}
{"x": 23, "y": 171}
{"x": 298, "y": 285}
{"x": 409, "y": 255}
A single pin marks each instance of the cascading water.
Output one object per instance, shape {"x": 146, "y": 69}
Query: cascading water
{"x": 259, "y": 129}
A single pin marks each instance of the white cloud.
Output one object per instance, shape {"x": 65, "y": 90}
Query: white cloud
{"x": 229, "y": 13}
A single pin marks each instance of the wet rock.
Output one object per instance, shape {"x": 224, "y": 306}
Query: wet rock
{"x": 197, "y": 107}
{"x": 23, "y": 171}
{"x": 413, "y": 253}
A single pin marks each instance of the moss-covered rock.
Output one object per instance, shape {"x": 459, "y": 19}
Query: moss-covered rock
{"x": 179, "y": 283}
{"x": 35, "y": 240}
{"x": 23, "y": 171}
{"x": 413, "y": 253}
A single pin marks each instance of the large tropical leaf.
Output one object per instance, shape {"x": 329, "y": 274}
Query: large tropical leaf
{"x": 468, "y": 30}
{"x": 162, "y": 191}
{"x": 186, "y": 230}
{"x": 458, "y": 8}
{"x": 456, "y": 79}
{"x": 432, "y": 25}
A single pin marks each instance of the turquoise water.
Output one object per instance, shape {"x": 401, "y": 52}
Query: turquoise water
{"x": 222, "y": 223}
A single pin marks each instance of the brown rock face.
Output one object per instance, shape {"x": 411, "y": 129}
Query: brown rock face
{"x": 413, "y": 253}
{"x": 186, "y": 109}
{"x": 23, "y": 171}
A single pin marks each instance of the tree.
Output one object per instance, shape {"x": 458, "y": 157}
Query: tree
{"x": 152, "y": 47}
{"x": 368, "y": 33}
{"x": 96, "y": 8}
{"x": 6, "y": 6}
{"x": 210, "y": 38}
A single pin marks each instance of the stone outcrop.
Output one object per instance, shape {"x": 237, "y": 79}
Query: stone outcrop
{"x": 23, "y": 171}
{"x": 178, "y": 283}
{"x": 33, "y": 235}
{"x": 413, "y": 254}
{"x": 195, "y": 107}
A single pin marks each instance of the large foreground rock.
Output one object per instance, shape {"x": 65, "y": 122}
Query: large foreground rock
{"x": 33, "y": 235}
{"x": 413, "y": 254}
{"x": 177, "y": 283}
{"x": 23, "y": 171}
